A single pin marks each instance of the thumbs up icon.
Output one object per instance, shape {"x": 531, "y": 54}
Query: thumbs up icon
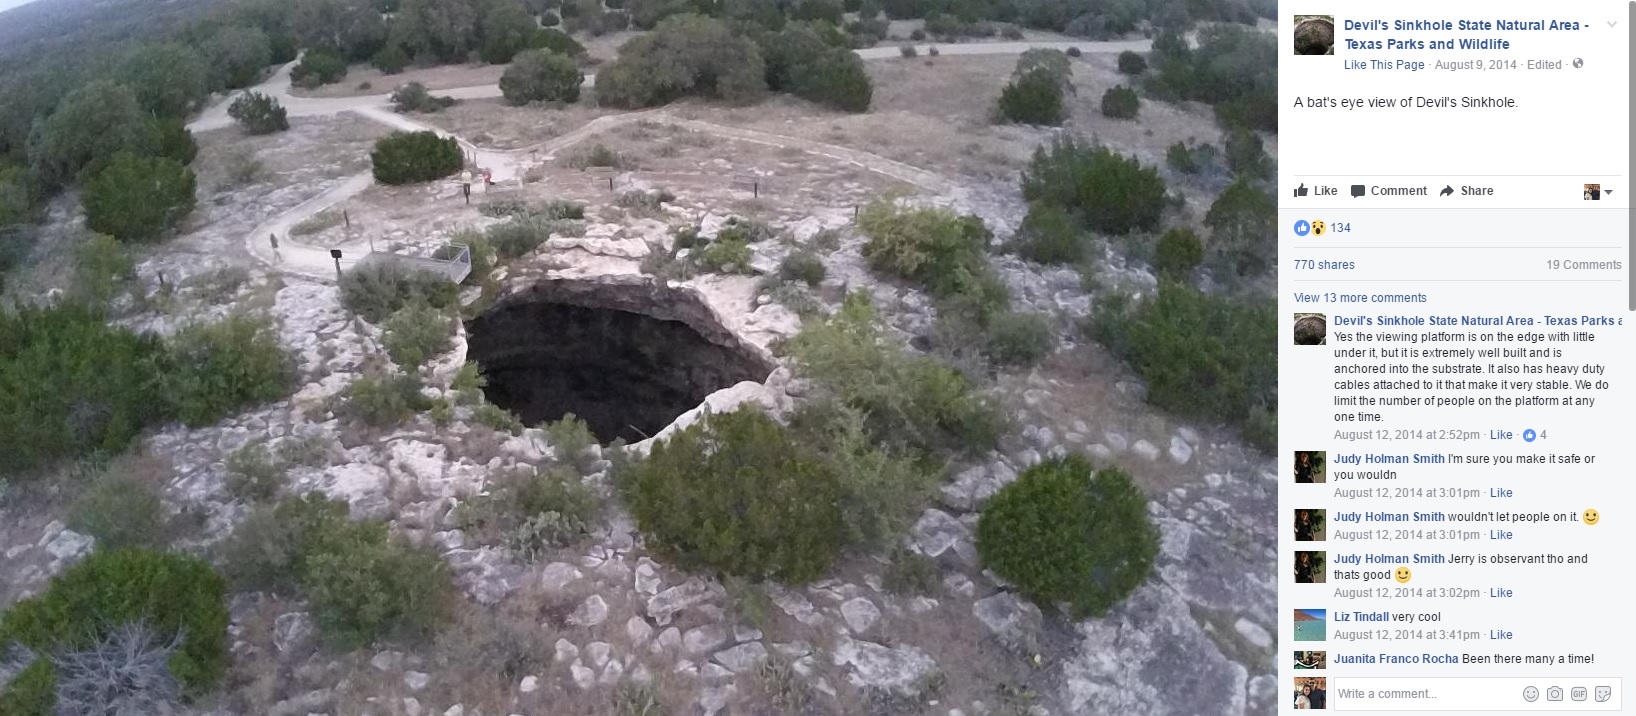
{"x": 1301, "y": 190}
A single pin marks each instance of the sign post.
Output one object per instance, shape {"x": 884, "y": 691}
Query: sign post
{"x": 336, "y": 254}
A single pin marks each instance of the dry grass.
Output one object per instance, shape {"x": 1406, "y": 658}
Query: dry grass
{"x": 494, "y": 124}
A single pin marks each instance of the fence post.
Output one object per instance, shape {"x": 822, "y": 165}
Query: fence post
{"x": 346, "y": 217}
{"x": 755, "y": 188}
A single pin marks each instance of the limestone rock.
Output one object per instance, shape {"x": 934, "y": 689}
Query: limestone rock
{"x": 860, "y": 614}
{"x": 743, "y": 657}
{"x": 699, "y": 640}
{"x": 693, "y": 592}
{"x": 558, "y": 575}
{"x": 591, "y": 612}
{"x": 936, "y": 531}
{"x": 1014, "y": 620}
{"x": 874, "y": 666}
{"x": 293, "y": 630}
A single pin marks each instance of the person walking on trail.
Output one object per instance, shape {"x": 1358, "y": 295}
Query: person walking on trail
{"x": 465, "y": 184}
{"x": 277, "y": 257}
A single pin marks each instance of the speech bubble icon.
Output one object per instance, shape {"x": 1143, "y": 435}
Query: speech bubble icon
{"x": 1357, "y": 190}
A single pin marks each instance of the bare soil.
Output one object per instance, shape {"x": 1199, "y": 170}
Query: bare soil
{"x": 494, "y": 124}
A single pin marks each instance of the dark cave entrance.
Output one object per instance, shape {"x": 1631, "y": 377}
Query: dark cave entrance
{"x": 627, "y": 359}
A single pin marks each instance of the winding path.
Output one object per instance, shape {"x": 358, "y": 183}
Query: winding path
{"x": 315, "y": 262}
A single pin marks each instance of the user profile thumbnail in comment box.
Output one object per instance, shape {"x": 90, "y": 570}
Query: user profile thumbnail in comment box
{"x": 1518, "y": 693}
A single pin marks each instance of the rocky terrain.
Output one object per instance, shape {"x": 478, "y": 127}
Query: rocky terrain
{"x": 608, "y": 628}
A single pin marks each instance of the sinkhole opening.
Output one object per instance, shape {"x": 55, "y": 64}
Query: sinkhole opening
{"x": 627, "y": 359}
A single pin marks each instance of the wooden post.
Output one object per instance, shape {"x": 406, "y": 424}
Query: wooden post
{"x": 346, "y": 217}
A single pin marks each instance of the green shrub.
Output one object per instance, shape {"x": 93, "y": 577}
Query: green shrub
{"x": 364, "y": 586}
{"x": 268, "y": 551}
{"x": 1048, "y": 235}
{"x": 557, "y": 41}
{"x": 803, "y": 266}
{"x": 468, "y": 378}
{"x": 1131, "y": 63}
{"x": 1018, "y": 339}
{"x": 1246, "y": 156}
{"x": 1201, "y": 355}
{"x": 416, "y": 334}
{"x": 1178, "y": 252}
{"x": 169, "y": 138}
{"x": 598, "y": 155}
{"x": 381, "y": 400}
{"x": 258, "y": 113}
{"x": 238, "y": 55}
{"x": 1232, "y": 66}
{"x": 391, "y": 59}
{"x": 138, "y": 198}
{"x": 910, "y": 402}
{"x": 1120, "y": 102}
{"x": 172, "y": 594}
{"x": 1033, "y": 98}
{"x": 89, "y": 127}
{"x": 1180, "y": 158}
{"x": 940, "y": 250}
{"x": 377, "y": 289}
{"x": 518, "y": 237}
{"x": 570, "y": 439}
{"x": 735, "y": 493}
{"x": 881, "y": 490}
{"x": 684, "y": 55}
{"x": 102, "y": 269}
{"x": 318, "y": 67}
{"x": 1107, "y": 191}
{"x": 120, "y": 512}
{"x": 1074, "y": 52}
{"x": 1053, "y": 63}
{"x": 723, "y": 256}
{"x": 413, "y": 97}
{"x": 835, "y": 79}
{"x": 506, "y": 28}
{"x": 219, "y": 368}
{"x": 532, "y": 512}
{"x": 541, "y": 76}
{"x": 910, "y": 574}
{"x": 745, "y": 230}
{"x": 497, "y": 418}
{"x": 71, "y": 384}
{"x": 1242, "y": 228}
{"x": 253, "y": 474}
{"x": 409, "y": 157}
{"x": 1065, "y": 532}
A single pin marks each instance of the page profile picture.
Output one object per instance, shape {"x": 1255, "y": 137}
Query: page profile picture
{"x": 1593, "y": 192}
{"x": 1311, "y": 329}
{"x": 1314, "y": 34}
